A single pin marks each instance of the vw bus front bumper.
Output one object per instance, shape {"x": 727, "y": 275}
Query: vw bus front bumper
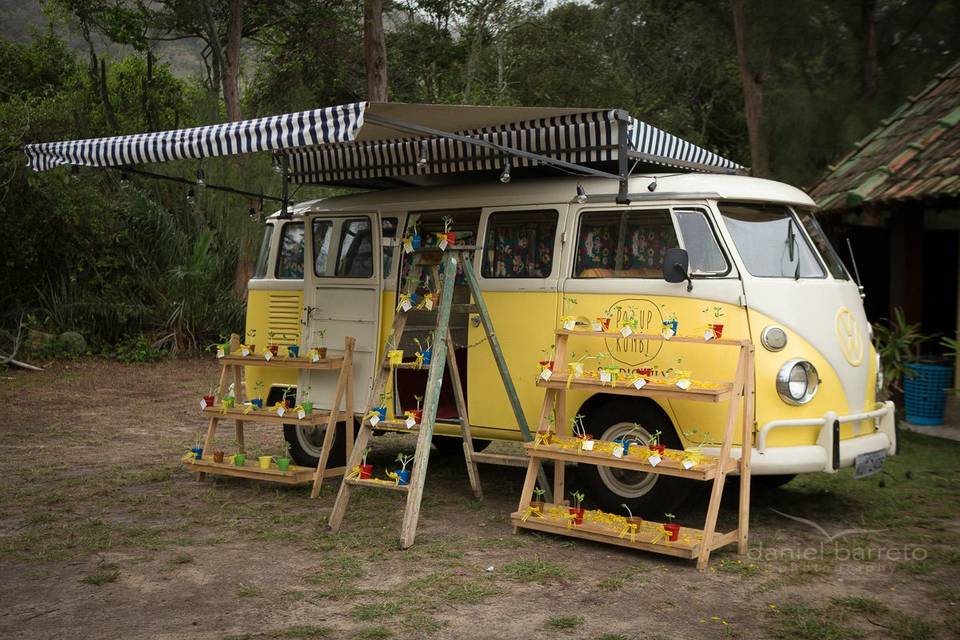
{"x": 829, "y": 453}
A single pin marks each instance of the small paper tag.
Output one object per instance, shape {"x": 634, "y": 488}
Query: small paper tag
{"x": 443, "y": 245}
{"x": 220, "y": 352}
{"x": 245, "y": 352}
{"x": 301, "y": 414}
{"x": 545, "y": 374}
{"x": 684, "y": 384}
{"x": 668, "y": 333}
{"x": 596, "y": 326}
{"x": 407, "y": 246}
{"x": 618, "y": 451}
{"x": 588, "y": 445}
{"x": 428, "y": 304}
{"x": 708, "y": 335}
{"x": 639, "y": 383}
{"x": 654, "y": 460}
{"x": 281, "y": 411}
{"x": 374, "y": 420}
{"x": 203, "y": 404}
{"x": 605, "y": 376}
{"x": 405, "y": 305}
{"x": 315, "y": 357}
{"x": 268, "y": 355}
{"x": 410, "y": 422}
{"x": 626, "y": 331}
{"x": 570, "y": 325}
{"x": 688, "y": 463}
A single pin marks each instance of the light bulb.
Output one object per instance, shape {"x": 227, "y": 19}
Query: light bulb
{"x": 505, "y": 174}
{"x": 581, "y": 194}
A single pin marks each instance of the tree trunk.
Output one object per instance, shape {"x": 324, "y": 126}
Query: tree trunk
{"x": 480, "y": 15}
{"x": 868, "y": 69}
{"x": 105, "y": 98}
{"x": 374, "y": 50}
{"x": 752, "y": 93}
{"x": 231, "y": 60}
{"x": 215, "y": 68}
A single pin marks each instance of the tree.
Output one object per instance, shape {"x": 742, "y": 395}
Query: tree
{"x": 375, "y": 50}
{"x": 753, "y": 80}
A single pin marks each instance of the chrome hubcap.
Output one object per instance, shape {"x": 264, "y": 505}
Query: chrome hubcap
{"x": 627, "y": 484}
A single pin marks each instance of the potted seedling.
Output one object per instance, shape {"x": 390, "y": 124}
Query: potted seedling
{"x": 537, "y": 502}
{"x": 381, "y": 409}
{"x": 228, "y": 401}
{"x": 626, "y": 440}
{"x": 264, "y": 461}
{"x": 289, "y": 397}
{"x": 654, "y": 443}
{"x": 257, "y": 402}
{"x": 239, "y": 459}
{"x": 580, "y": 432}
{"x": 715, "y": 328}
{"x": 403, "y": 475}
{"x": 366, "y": 470}
{"x": 273, "y": 346}
{"x": 197, "y": 448}
{"x": 577, "y": 510}
{"x": 602, "y": 321}
{"x": 293, "y": 351}
{"x": 414, "y": 241}
{"x": 318, "y": 352}
{"x": 394, "y": 356}
{"x": 223, "y": 347}
{"x": 424, "y": 350}
{"x": 428, "y": 301}
{"x": 306, "y": 406}
{"x": 545, "y": 431}
{"x": 448, "y": 237}
{"x": 671, "y": 325}
{"x": 567, "y": 321}
{"x": 631, "y": 519}
{"x": 671, "y": 527}
{"x": 547, "y": 362}
{"x": 250, "y": 347}
{"x": 416, "y": 414}
{"x": 283, "y": 461}
{"x": 629, "y": 322}
{"x": 218, "y": 456}
{"x": 209, "y": 399}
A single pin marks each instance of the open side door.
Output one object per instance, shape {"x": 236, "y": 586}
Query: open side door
{"x": 342, "y": 282}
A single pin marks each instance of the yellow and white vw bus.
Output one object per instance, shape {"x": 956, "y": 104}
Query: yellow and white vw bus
{"x": 759, "y": 264}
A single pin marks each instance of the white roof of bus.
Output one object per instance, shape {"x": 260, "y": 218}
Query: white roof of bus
{"x": 555, "y": 190}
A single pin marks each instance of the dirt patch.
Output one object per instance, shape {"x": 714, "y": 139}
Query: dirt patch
{"x": 102, "y": 532}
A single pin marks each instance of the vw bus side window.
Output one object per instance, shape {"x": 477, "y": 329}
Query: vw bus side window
{"x": 623, "y": 244}
{"x": 290, "y": 263}
{"x": 820, "y": 241}
{"x": 388, "y": 232}
{"x": 321, "y": 245}
{"x": 519, "y": 244}
{"x": 260, "y": 270}
{"x": 770, "y": 241}
{"x": 355, "y": 259}
{"x": 706, "y": 257}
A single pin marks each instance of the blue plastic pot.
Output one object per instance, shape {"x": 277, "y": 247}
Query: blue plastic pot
{"x": 415, "y": 241}
{"x": 293, "y": 351}
{"x": 258, "y": 403}
{"x": 382, "y": 412}
{"x": 672, "y": 324}
{"x": 197, "y": 453}
{"x": 426, "y": 356}
{"x": 623, "y": 443}
{"x": 925, "y": 393}
{"x": 403, "y": 477}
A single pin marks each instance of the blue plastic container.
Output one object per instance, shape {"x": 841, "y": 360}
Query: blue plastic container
{"x": 925, "y": 393}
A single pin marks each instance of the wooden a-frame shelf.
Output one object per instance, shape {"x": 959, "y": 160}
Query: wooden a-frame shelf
{"x": 613, "y": 529}
{"x": 231, "y": 366}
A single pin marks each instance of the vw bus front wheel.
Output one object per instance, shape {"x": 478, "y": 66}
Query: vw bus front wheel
{"x": 647, "y": 494}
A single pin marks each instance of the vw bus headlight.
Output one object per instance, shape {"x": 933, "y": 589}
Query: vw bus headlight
{"x": 797, "y": 382}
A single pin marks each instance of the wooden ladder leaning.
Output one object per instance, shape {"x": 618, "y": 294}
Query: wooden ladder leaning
{"x": 442, "y": 267}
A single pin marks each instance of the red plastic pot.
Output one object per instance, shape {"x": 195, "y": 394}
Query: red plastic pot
{"x": 451, "y": 238}
{"x": 717, "y": 330}
{"x": 417, "y": 414}
{"x": 547, "y": 363}
{"x": 643, "y": 371}
{"x": 673, "y": 530}
{"x": 605, "y": 322}
{"x": 577, "y": 514}
{"x": 366, "y": 471}
{"x": 274, "y": 348}
{"x": 289, "y": 402}
{"x": 659, "y": 448}
{"x": 208, "y": 400}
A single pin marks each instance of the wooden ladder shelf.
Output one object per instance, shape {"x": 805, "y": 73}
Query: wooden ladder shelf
{"x": 441, "y": 266}
{"x": 242, "y": 412}
{"x": 555, "y": 517}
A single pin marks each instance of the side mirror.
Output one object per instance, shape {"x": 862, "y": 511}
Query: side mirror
{"x": 675, "y": 266}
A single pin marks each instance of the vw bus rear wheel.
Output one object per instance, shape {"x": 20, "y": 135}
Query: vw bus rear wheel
{"x": 647, "y": 494}
{"x": 307, "y": 442}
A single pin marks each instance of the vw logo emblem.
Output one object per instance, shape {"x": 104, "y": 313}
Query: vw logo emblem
{"x": 848, "y": 335}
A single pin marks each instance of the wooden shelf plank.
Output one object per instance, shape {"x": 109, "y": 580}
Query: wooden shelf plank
{"x": 281, "y": 362}
{"x": 616, "y": 335}
{"x": 687, "y": 546}
{"x": 396, "y": 425}
{"x": 252, "y": 470}
{"x": 378, "y": 484}
{"x": 668, "y": 466}
{"x": 501, "y": 459}
{"x": 650, "y": 390}
{"x": 269, "y": 416}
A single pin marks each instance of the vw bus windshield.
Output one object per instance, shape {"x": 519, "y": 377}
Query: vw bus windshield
{"x": 770, "y": 241}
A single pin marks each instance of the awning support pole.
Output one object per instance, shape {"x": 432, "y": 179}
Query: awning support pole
{"x": 285, "y": 166}
{"x": 623, "y": 168}
{"x": 406, "y": 127}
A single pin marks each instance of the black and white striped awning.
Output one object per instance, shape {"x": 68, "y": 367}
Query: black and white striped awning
{"x": 358, "y": 142}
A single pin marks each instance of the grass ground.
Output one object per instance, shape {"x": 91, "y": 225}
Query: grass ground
{"x": 103, "y": 533}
